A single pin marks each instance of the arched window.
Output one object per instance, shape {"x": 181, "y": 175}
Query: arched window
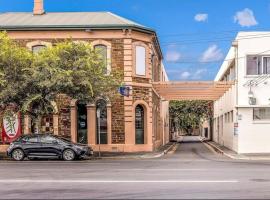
{"x": 102, "y": 127}
{"x": 139, "y": 124}
{"x": 38, "y": 48}
{"x": 102, "y": 51}
{"x": 82, "y": 123}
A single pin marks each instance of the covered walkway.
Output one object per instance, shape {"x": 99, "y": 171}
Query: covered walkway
{"x": 192, "y": 90}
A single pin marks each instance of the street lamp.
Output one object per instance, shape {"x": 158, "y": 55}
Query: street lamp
{"x": 98, "y": 118}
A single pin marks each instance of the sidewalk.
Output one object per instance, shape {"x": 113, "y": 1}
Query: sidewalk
{"x": 168, "y": 148}
{"x": 233, "y": 155}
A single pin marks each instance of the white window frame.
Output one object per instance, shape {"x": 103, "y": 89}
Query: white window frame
{"x": 140, "y": 62}
{"x": 261, "y": 67}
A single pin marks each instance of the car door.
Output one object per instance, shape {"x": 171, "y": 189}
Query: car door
{"x": 50, "y": 146}
{"x": 31, "y": 145}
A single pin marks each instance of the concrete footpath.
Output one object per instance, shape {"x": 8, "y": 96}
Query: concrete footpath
{"x": 233, "y": 155}
{"x": 166, "y": 149}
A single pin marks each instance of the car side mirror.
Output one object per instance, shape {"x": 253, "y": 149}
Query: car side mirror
{"x": 55, "y": 142}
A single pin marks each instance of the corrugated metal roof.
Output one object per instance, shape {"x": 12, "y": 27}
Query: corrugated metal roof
{"x": 65, "y": 19}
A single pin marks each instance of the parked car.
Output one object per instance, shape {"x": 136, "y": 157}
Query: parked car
{"x": 47, "y": 146}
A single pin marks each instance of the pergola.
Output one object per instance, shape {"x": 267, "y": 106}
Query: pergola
{"x": 192, "y": 90}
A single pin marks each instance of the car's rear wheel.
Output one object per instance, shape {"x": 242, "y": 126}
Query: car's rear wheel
{"x": 68, "y": 155}
{"x": 18, "y": 155}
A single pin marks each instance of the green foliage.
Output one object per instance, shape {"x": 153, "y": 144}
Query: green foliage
{"x": 188, "y": 115}
{"x": 33, "y": 80}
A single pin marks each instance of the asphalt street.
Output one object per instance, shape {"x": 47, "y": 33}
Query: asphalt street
{"x": 193, "y": 171}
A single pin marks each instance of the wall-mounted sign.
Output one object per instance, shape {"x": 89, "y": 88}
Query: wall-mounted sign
{"x": 235, "y": 131}
{"x": 239, "y": 117}
{"x": 11, "y": 126}
{"x": 124, "y": 91}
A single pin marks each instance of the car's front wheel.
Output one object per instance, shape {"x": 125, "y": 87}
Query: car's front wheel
{"x": 68, "y": 155}
{"x": 18, "y": 155}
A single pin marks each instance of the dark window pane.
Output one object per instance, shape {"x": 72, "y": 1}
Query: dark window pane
{"x": 82, "y": 123}
{"x": 266, "y": 65}
{"x": 47, "y": 139}
{"x": 139, "y": 125}
{"x": 102, "y": 122}
{"x": 253, "y": 65}
{"x": 30, "y": 139}
{"x": 261, "y": 114}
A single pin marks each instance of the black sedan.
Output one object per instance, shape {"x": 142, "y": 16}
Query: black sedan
{"x": 47, "y": 146}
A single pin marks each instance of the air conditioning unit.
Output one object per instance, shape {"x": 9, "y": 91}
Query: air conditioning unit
{"x": 252, "y": 101}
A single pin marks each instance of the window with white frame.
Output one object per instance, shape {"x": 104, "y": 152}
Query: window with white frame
{"x": 140, "y": 61}
{"x": 261, "y": 114}
{"x": 257, "y": 65}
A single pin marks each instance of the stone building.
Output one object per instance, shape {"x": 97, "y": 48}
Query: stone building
{"x": 128, "y": 124}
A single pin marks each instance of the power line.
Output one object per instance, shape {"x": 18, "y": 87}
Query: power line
{"x": 266, "y": 35}
{"x": 211, "y": 32}
{"x": 183, "y": 62}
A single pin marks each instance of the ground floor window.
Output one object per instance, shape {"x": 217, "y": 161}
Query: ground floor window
{"x": 139, "y": 125}
{"x": 261, "y": 114}
{"x": 81, "y": 123}
{"x": 102, "y": 127}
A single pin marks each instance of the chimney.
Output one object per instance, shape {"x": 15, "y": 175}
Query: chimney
{"x": 38, "y": 7}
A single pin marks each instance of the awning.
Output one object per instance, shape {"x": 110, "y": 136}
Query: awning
{"x": 191, "y": 90}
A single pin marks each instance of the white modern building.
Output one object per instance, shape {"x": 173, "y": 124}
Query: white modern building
{"x": 242, "y": 114}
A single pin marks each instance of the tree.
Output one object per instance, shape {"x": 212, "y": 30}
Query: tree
{"x": 188, "y": 115}
{"x": 32, "y": 81}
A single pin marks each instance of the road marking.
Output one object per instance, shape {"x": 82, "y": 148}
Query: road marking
{"x": 161, "y": 169}
{"x": 115, "y": 181}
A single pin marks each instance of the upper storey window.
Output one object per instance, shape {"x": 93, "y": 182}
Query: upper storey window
{"x": 38, "y": 48}
{"x": 257, "y": 65}
{"x": 102, "y": 50}
{"x": 140, "y": 61}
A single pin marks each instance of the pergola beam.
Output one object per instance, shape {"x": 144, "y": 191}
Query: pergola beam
{"x": 193, "y": 90}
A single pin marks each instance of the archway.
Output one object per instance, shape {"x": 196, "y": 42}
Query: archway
{"x": 139, "y": 124}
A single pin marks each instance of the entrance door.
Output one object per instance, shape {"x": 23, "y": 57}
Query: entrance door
{"x": 81, "y": 123}
{"x": 139, "y": 125}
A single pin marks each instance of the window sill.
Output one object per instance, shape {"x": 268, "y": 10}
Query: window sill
{"x": 261, "y": 122}
{"x": 140, "y": 76}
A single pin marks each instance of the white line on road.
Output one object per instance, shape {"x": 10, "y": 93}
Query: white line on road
{"x": 115, "y": 181}
{"x": 168, "y": 169}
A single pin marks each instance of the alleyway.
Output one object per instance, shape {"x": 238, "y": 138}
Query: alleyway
{"x": 193, "y": 171}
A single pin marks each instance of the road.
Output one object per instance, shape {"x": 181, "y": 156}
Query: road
{"x": 193, "y": 171}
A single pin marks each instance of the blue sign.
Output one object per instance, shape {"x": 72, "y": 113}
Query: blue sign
{"x": 124, "y": 91}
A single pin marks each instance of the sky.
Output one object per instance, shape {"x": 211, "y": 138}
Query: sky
{"x": 195, "y": 35}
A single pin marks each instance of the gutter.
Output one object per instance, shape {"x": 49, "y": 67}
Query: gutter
{"x": 83, "y": 27}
